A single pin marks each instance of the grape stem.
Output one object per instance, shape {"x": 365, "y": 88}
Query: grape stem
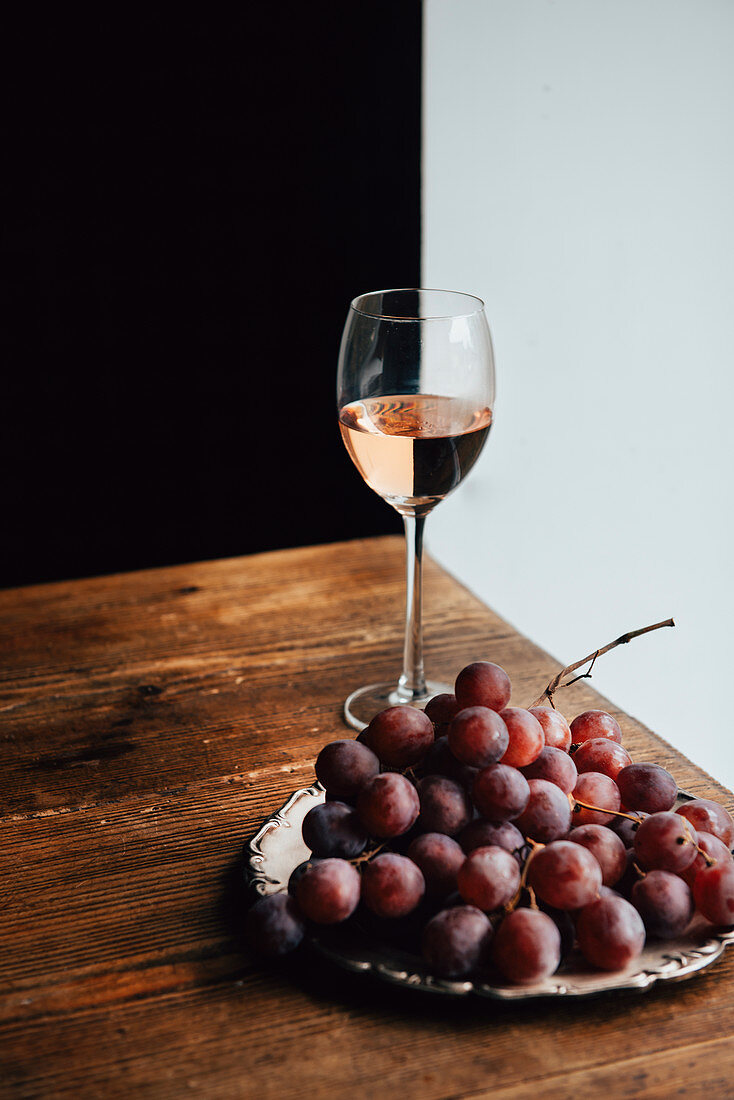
{"x": 535, "y": 847}
{"x": 367, "y": 856}
{"x": 603, "y": 810}
{"x": 558, "y": 681}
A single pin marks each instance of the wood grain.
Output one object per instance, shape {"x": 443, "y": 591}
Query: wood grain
{"x": 148, "y": 722}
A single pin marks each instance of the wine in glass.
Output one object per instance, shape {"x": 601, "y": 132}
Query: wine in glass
{"x": 415, "y": 392}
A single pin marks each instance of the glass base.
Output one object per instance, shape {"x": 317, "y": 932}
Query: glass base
{"x": 363, "y": 704}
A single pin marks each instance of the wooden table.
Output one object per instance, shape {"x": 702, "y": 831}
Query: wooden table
{"x": 148, "y": 722}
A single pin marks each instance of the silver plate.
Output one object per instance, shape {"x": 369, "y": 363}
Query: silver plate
{"x": 278, "y": 848}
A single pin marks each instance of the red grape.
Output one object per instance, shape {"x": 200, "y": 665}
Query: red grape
{"x": 439, "y": 858}
{"x": 665, "y": 904}
{"x": 328, "y": 891}
{"x": 665, "y": 842}
{"x": 599, "y": 791}
{"x": 500, "y": 792}
{"x": 445, "y": 806}
{"x": 343, "y": 767}
{"x": 556, "y": 766}
{"x": 607, "y": 848}
{"x": 274, "y": 926}
{"x": 456, "y": 941}
{"x": 400, "y": 736}
{"x": 600, "y": 754}
{"x": 388, "y": 805}
{"x": 714, "y": 848}
{"x": 392, "y": 885}
{"x": 710, "y": 817}
{"x": 478, "y": 736}
{"x": 526, "y": 737}
{"x": 526, "y": 946}
{"x": 595, "y": 723}
{"x": 547, "y": 815}
{"x": 483, "y": 684}
{"x": 610, "y": 932}
{"x": 556, "y": 729}
{"x": 488, "y": 878}
{"x": 647, "y": 787}
{"x": 479, "y": 833}
{"x": 442, "y": 708}
{"x": 713, "y": 890}
{"x": 565, "y": 875}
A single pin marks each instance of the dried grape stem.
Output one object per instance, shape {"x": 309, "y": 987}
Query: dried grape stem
{"x": 557, "y": 681}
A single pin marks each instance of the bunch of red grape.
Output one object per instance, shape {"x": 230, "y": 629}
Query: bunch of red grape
{"x": 506, "y": 836}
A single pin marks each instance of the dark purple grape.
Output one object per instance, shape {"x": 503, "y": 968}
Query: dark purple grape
{"x": 626, "y": 827}
{"x": 274, "y": 925}
{"x": 665, "y": 842}
{"x": 442, "y": 708}
{"x": 610, "y": 932}
{"x": 556, "y": 766}
{"x": 488, "y": 878}
{"x": 334, "y": 829}
{"x": 709, "y": 817}
{"x": 445, "y": 806}
{"x": 601, "y": 754}
{"x": 388, "y": 805}
{"x": 392, "y": 885}
{"x": 439, "y": 858}
{"x": 526, "y": 946}
{"x": 527, "y": 739}
{"x": 441, "y": 761}
{"x": 478, "y": 736}
{"x": 343, "y": 767}
{"x": 595, "y": 723}
{"x": 328, "y": 891}
{"x": 665, "y": 904}
{"x": 556, "y": 729}
{"x": 713, "y": 891}
{"x": 547, "y": 815}
{"x": 483, "y": 684}
{"x": 607, "y": 848}
{"x": 400, "y": 736}
{"x": 564, "y": 875}
{"x": 647, "y": 787}
{"x": 296, "y": 874}
{"x": 480, "y": 833}
{"x": 456, "y": 941}
{"x": 500, "y": 792}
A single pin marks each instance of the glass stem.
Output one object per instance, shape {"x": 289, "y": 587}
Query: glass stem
{"x": 412, "y": 683}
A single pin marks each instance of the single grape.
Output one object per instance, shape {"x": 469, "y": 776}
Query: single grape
{"x": 442, "y": 708}
{"x": 565, "y": 875}
{"x": 274, "y": 925}
{"x": 441, "y": 761}
{"x": 488, "y": 878}
{"x": 556, "y": 729}
{"x": 500, "y": 792}
{"x": 483, "y": 684}
{"x": 526, "y": 946}
{"x": 626, "y": 827}
{"x": 713, "y": 892}
{"x": 647, "y": 787}
{"x": 556, "y": 766}
{"x": 600, "y": 754}
{"x": 665, "y": 904}
{"x": 400, "y": 736}
{"x": 480, "y": 833}
{"x": 439, "y": 858}
{"x": 445, "y": 806}
{"x": 296, "y": 874}
{"x": 607, "y": 848}
{"x": 714, "y": 849}
{"x": 547, "y": 815}
{"x": 388, "y": 805}
{"x": 526, "y": 737}
{"x": 456, "y": 941}
{"x": 709, "y": 817}
{"x": 595, "y": 723}
{"x": 328, "y": 891}
{"x": 334, "y": 829}
{"x": 478, "y": 736}
{"x": 610, "y": 932}
{"x": 343, "y": 767}
{"x": 596, "y": 790}
{"x": 665, "y": 842}
{"x": 392, "y": 885}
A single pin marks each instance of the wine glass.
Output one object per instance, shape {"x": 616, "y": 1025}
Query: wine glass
{"x": 415, "y": 392}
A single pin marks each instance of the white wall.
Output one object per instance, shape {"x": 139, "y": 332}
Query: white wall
{"x": 579, "y": 176}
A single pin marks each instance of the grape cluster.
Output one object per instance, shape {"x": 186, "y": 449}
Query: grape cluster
{"x": 505, "y": 836}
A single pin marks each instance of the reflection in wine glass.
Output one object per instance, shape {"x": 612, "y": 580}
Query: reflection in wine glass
{"x": 415, "y": 393}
